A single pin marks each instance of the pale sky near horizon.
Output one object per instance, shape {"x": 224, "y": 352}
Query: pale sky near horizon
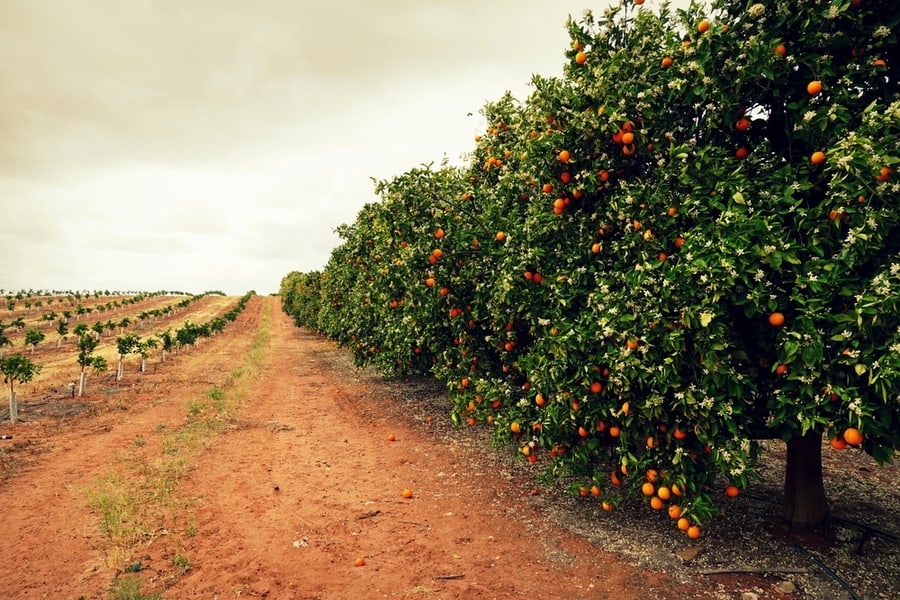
{"x": 194, "y": 145}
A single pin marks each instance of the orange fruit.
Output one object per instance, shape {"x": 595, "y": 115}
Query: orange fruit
{"x": 596, "y": 387}
{"x": 674, "y": 511}
{"x": 430, "y": 282}
{"x": 615, "y": 431}
{"x": 732, "y": 491}
{"x": 614, "y": 478}
{"x": 781, "y": 369}
{"x": 664, "y": 493}
{"x": 666, "y": 62}
{"x": 628, "y": 138}
{"x": 693, "y": 532}
{"x": 852, "y": 436}
{"x": 838, "y": 443}
{"x": 500, "y": 236}
{"x": 359, "y": 562}
{"x": 648, "y": 489}
{"x": 703, "y": 26}
{"x": 439, "y": 233}
{"x": 780, "y": 50}
{"x": 539, "y": 400}
{"x": 595, "y": 491}
{"x": 581, "y": 58}
{"x": 741, "y": 153}
{"x": 656, "y": 503}
{"x": 683, "y": 524}
{"x": 742, "y": 124}
{"x": 817, "y": 158}
{"x": 406, "y": 493}
{"x": 607, "y": 506}
{"x": 548, "y": 187}
{"x": 813, "y": 88}
{"x": 652, "y": 475}
{"x": 676, "y": 490}
{"x": 776, "y": 319}
{"x": 564, "y": 156}
{"x": 595, "y": 248}
{"x": 514, "y": 427}
{"x": 391, "y": 437}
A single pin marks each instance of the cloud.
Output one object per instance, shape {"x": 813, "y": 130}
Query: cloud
{"x": 176, "y": 136}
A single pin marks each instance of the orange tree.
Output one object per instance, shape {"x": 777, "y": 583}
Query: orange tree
{"x": 685, "y": 244}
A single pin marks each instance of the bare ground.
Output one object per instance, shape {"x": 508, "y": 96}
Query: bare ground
{"x": 296, "y": 480}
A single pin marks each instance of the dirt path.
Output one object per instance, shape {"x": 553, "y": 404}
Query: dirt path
{"x": 306, "y": 484}
{"x": 259, "y": 465}
{"x": 301, "y": 484}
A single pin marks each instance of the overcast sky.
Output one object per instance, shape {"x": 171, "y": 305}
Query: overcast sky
{"x": 194, "y": 145}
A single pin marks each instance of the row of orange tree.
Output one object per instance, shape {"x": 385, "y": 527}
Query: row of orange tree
{"x": 687, "y": 243}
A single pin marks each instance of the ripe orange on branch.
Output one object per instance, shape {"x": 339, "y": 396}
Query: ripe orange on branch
{"x": 776, "y": 319}
{"x": 838, "y": 443}
{"x": 852, "y": 436}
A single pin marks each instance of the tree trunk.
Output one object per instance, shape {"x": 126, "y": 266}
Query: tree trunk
{"x": 81, "y": 383}
{"x": 805, "y": 504}
{"x": 143, "y": 363}
{"x": 13, "y": 408}
{"x": 120, "y": 369}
